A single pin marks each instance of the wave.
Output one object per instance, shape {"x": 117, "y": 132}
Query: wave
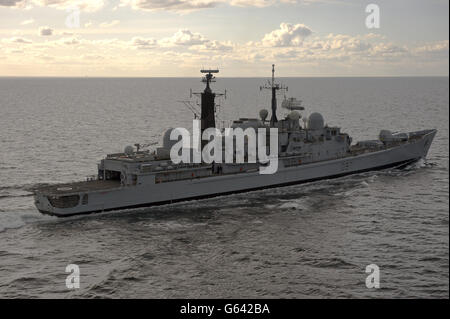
{"x": 18, "y": 219}
{"x": 14, "y": 196}
{"x": 280, "y": 198}
{"x": 334, "y": 262}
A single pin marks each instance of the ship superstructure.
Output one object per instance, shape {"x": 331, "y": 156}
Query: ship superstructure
{"x": 308, "y": 150}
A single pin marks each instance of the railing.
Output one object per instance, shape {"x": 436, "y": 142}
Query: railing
{"x": 91, "y": 178}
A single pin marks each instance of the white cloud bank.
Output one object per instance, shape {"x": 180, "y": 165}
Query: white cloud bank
{"x": 287, "y": 35}
{"x": 183, "y": 6}
{"x": 84, "y": 5}
{"x": 292, "y": 46}
{"x": 109, "y": 24}
{"x": 27, "y": 22}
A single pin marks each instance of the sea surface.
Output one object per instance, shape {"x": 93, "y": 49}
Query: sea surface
{"x": 307, "y": 241}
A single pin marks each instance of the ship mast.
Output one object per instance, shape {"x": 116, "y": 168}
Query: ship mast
{"x": 274, "y": 87}
{"x": 208, "y": 106}
{"x": 207, "y": 116}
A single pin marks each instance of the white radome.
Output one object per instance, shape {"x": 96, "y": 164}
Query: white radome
{"x": 294, "y": 116}
{"x": 315, "y": 121}
{"x": 263, "y": 114}
{"x": 129, "y": 150}
{"x": 385, "y": 135}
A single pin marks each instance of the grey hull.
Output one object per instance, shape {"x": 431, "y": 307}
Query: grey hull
{"x": 175, "y": 191}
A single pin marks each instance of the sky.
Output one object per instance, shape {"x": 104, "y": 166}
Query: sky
{"x": 165, "y": 38}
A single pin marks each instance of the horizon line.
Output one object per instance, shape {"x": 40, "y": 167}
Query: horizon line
{"x": 222, "y": 77}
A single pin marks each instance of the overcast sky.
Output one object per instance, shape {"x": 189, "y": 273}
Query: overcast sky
{"x": 241, "y": 37}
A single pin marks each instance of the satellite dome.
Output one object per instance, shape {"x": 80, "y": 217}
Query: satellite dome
{"x": 315, "y": 121}
{"x": 263, "y": 114}
{"x": 294, "y": 116}
{"x": 385, "y": 135}
{"x": 129, "y": 150}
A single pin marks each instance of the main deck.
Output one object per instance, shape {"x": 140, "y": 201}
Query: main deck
{"x": 196, "y": 171}
{"x": 78, "y": 187}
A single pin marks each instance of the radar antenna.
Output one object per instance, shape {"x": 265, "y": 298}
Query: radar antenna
{"x": 274, "y": 87}
{"x": 209, "y": 77}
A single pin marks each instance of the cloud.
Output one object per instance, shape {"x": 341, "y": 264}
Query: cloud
{"x": 17, "y": 40}
{"x": 181, "y": 40}
{"x": 26, "y": 22}
{"x": 184, "y": 37}
{"x": 13, "y": 3}
{"x": 388, "y": 50}
{"x": 83, "y": 5}
{"x": 44, "y": 57}
{"x": 109, "y": 24}
{"x": 437, "y": 48}
{"x": 192, "y": 5}
{"x": 45, "y": 31}
{"x": 92, "y": 57}
{"x": 287, "y": 35}
{"x": 170, "y": 5}
{"x": 295, "y": 43}
{"x": 143, "y": 43}
{"x": 69, "y": 41}
{"x": 252, "y": 3}
{"x": 293, "y": 47}
{"x": 215, "y": 45}
{"x": 345, "y": 43}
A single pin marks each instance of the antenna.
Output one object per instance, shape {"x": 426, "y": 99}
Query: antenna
{"x": 209, "y": 71}
{"x": 208, "y": 78}
{"x": 274, "y": 87}
{"x": 191, "y": 108}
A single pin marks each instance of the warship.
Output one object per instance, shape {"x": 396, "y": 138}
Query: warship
{"x": 308, "y": 150}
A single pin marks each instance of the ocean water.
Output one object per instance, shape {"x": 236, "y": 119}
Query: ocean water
{"x": 307, "y": 241}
